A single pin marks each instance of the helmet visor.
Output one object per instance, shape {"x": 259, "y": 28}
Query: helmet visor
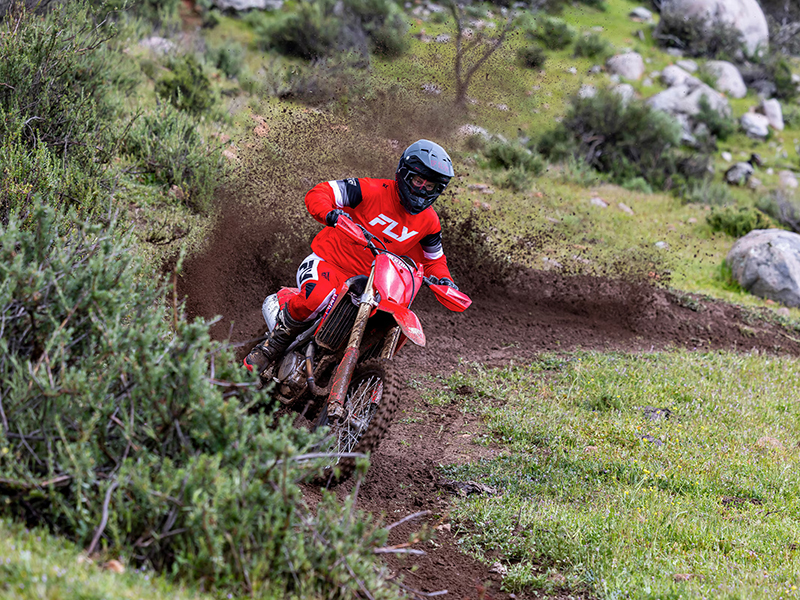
{"x": 421, "y": 186}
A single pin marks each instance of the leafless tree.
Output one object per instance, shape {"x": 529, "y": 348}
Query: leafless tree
{"x": 473, "y": 49}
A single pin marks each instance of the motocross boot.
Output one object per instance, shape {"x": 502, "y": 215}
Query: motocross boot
{"x": 286, "y": 329}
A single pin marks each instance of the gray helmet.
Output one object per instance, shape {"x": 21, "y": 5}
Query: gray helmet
{"x": 429, "y": 161}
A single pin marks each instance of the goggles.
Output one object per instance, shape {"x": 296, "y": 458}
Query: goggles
{"x": 424, "y": 186}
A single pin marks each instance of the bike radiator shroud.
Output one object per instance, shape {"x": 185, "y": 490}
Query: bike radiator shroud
{"x": 335, "y": 331}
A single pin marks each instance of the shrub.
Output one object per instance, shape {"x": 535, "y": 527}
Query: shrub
{"x": 56, "y": 73}
{"x": 516, "y": 179}
{"x": 696, "y": 36}
{"x": 554, "y": 33}
{"x": 127, "y": 429}
{"x": 592, "y": 46}
{"x": 737, "y": 222}
{"x": 228, "y": 58}
{"x": 166, "y": 145}
{"x": 719, "y": 125}
{"x": 624, "y": 139}
{"x": 186, "y": 86}
{"x": 705, "y": 191}
{"x": 637, "y": 184}
{"x": 782, "y": 206}
{"x": 779, "y": 71}
{"x": 531, "y": 56}
{"x": 314, "y": 29}
{"x": 507, "y": 155}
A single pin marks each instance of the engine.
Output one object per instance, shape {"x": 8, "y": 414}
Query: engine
{"x": 291, "y": 376}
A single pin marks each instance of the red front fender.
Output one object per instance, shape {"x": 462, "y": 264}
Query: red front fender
{"x": 406, "y": 319}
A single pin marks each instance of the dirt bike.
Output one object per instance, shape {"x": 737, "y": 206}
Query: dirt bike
{"x": 341, "y": 366}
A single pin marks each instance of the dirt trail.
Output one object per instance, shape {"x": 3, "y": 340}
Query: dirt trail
{"x": 263, "y": 232}
{"x": 543, "y": 312}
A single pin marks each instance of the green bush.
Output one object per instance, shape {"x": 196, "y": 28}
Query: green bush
{"x": 125, "y": 428}
{"x": 696, "y": 37}
{"x": 637, "y": 184}
{"x": 705, "y": 191}
{"x": 783, "y": 207}
{"x": 228, "y": 58}
{"x": 314, "y": 29}
{"x": 624, "y": 139}
{"x": 57, "y": 72}
{"x": 508, "y": 155}
{"x": 592, "y": 46}
{"x": 554, "y": 33}
{"x": 516, "y": 179}
{"x": 780, "y": 73}
{"x": 166, "y": 146}
{"x": 720, "y": 125}
{"x": 186, "y": 86}
{"x": 737, "y": 222}
{"x": 532, "y": 56}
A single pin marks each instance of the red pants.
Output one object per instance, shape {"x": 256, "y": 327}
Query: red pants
{"x": 317, "y": 280}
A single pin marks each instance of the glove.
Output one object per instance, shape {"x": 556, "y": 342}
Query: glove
{"x": 333, "y": 216}
{"x": 448, "y": 283}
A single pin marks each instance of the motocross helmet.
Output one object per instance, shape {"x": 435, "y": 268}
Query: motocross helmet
{"x": 424, "y": 171}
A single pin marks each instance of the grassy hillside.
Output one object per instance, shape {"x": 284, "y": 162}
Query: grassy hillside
{"x": 649, "y": 476}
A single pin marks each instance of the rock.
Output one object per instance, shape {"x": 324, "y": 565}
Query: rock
{"x": 641, "y": 14}
{"x": 754, "y": 183}
{"x": 764, "y": 88}
{"x": 598, "y": 202}
{"x": 158, "y": 45}
{"x": 755, "y": 125}
{"x": 772, "y": 110}
{"x": 629, "y": 65}
{"x": 624, "y": 91}
{"x": 587, "y": 91}
{"x": 662, "y": 245}
{"x": 687, "y": 65}
{"x": 677, "y": 53}
{"x": 572, "y": 70}
{"x": 739, "y": 173}
{"x": 470, "y": 130}
{"x": 744, "y": 15}
{"x": 788, "y": 179}
{"x": 431, "y": 88}
{"x": 625, "y": 208}
{"x": 245, "y": 5}
{"x": 442, "y": 38}
{"x": 728, "y": 78}
{"x": 766, "y": 263}
{"x": 595, "y": 70}
{"x": 673, "y": 75}
{"x": 683, "y": 102}
{"x": 727, "y": 156}
{"x": 647, "y": 82}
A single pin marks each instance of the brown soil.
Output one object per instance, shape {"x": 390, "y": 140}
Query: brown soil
{"x": 256, "y": 247}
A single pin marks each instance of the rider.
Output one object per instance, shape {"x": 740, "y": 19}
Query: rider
{"x": 397, "y": 212}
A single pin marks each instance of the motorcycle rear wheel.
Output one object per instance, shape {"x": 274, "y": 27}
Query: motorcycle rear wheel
{"x": 370, "y": 404}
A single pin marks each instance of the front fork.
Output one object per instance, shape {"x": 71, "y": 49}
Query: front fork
{"x": 344, "y": 372}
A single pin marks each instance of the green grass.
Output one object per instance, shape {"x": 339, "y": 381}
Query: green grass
{"x": 36, "y": 565}
{"x": 703, "y": 503}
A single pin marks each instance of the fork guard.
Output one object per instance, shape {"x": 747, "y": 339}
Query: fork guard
{"x": 406, "y": 319}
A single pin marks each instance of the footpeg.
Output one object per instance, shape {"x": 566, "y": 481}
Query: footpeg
{"x": 336, "y": 411}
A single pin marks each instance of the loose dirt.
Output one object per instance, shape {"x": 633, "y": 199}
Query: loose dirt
{"x": 262, "y": 233}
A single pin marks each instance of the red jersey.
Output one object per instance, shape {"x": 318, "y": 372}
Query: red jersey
{"x": 375, "y": 205}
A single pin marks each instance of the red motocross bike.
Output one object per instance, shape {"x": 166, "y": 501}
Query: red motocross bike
{"x": 341, "y": 367}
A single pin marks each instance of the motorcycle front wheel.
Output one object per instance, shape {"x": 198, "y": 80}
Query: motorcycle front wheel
{"x": 370, "y": 404}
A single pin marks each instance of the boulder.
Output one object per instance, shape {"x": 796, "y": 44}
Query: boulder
{"x": 766, "y": 263}
{"x": 629, "y": 65}
{"x": 744, "y": 15}
{"x": 158, "y": 45}
{"x": 624, "y": 91}
{"x": 788, "y": 179}
{"x": 755, "y": 125}
{"x": 683, "y": 101}
{"x": 587, "y": 91}
{"x": 728, "y": 78}
{"x": 687, "y": 65}
{"x": 673, "y": 75}
{"x": 772, "y": 110}
{"x": 739, "y": 174}
{"x": 245, "y": 5}
{"x": 641, "y": 14}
